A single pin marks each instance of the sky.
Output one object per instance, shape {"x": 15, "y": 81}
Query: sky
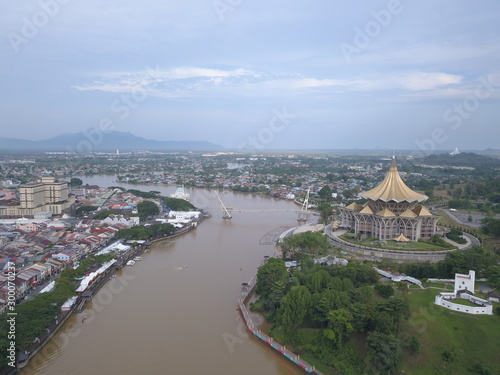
{"x": 262, "y": 75}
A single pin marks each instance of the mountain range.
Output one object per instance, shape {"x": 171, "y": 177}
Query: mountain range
{"x": 93, "y": 140}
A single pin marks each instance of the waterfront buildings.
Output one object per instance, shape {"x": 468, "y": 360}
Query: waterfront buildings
{"x": 392, "y": 210}
{"x": 46, "y": 195}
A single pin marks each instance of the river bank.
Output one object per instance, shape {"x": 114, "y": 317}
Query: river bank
{"x": 145, "y": 320}
{"x": 79, "y": 304}
{"x": 253, "y": 328}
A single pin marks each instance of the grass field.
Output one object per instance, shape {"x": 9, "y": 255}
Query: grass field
{"x": 415, "y": 246}
{"x": 468, "y": 339}
{"x": 443, "y": 286}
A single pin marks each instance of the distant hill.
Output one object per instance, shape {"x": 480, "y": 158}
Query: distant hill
{"x": 490, "y": 151}
{"x": 91, "y": 141}
{"x": 466, "y": 159}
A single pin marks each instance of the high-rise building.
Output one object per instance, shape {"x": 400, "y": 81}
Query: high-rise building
{"x": 45, "y": 195}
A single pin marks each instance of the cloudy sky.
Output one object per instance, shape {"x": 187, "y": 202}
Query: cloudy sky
{"x": 255, "y": 74}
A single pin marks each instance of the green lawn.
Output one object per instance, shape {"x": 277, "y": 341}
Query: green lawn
{"x": 415, "y": 246}
{"x": 471, "y": 338}
{"x": 465, "y": 302}
{"x": 444, "y": 286}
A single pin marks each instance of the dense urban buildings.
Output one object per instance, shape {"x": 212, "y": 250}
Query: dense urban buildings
{"x": 45, "y": 196}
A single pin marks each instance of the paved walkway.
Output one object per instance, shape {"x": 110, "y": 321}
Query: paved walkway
{"x": 460, "y": 246}
{"x": 257, "y": 332}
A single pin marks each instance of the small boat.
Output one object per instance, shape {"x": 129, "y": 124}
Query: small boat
{"x": 137, "y": 258}
{"x": 130, "y": 263}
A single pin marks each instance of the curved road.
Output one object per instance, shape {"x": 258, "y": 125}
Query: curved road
{"x": 376, "y": 254}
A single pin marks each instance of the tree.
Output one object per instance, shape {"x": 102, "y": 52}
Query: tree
{"x": 414, "y": 345}
{"x": 268, "y": 274}
{"x": 384, "y": 350}
{"x": 397, "y": 308}
{"x": 325, "y": 193}
{"x": 75, "y": 182}
{"x": 317, "y": 281}
{"x": 327, "y": 301}
{"x": 384, "y": 290}
{"x": 176, "y": 204}
{"x": 325, "y": 214}
{"x": 141, "y": 232}
{"x": 146, "y": 209}
{"x": 339, "y": 326}
{"x": 294, "y": 308}
{"x": 494, "y": 275}
{"x": 104, "y": 214}
{"x": 348, "y": 194}
{"x": 83, "y": 210}
{"x": 273, "y": 300}
{"x": 491, "y": 226}
{"x": 311, "y": 242}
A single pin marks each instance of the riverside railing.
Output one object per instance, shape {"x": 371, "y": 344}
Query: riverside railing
{"x": 257, "y": 332}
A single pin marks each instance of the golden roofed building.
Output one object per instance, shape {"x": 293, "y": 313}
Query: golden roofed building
{"x": 392, "y": 209}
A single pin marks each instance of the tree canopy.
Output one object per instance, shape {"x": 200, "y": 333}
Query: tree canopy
{"x": 491, "y": 226}
{"x": 83, "y": 210}
{"x": 334, "y": 302}
{"x": 147, "y": 209}
{"x": 141, "y": 232}
{"x": 75, "y": 182}
{"x": 310, "y": 242}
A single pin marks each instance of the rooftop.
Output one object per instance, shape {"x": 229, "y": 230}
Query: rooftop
{"x": 393, "y": 188}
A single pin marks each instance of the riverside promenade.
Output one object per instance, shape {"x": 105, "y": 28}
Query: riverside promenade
{"x": 247, "y": 290}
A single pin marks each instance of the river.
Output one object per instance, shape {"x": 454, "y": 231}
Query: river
{"x": 174, "y": 312}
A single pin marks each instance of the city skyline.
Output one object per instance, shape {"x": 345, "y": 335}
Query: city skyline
{"x": 389, "y": 74}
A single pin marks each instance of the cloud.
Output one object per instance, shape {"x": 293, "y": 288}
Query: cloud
{"x": 192, "y": 81}
{"x": 428, "y": 81}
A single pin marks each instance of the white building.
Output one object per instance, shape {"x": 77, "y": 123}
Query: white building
{"x": 43, "y": 215}
{"x": 398, "y": 277}
{"x": 180, "y": 194}
{"x": 464, "y": 289}
{"x": 465, "y": 282}
{"x": 184, "y": 215}
{"x": 129, "y": 221}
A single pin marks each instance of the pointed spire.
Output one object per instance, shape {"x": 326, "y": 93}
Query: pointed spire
{"x": 393, "y": 188}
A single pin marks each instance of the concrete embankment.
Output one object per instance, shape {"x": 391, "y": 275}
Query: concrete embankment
{"x": 268, "y": 340}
